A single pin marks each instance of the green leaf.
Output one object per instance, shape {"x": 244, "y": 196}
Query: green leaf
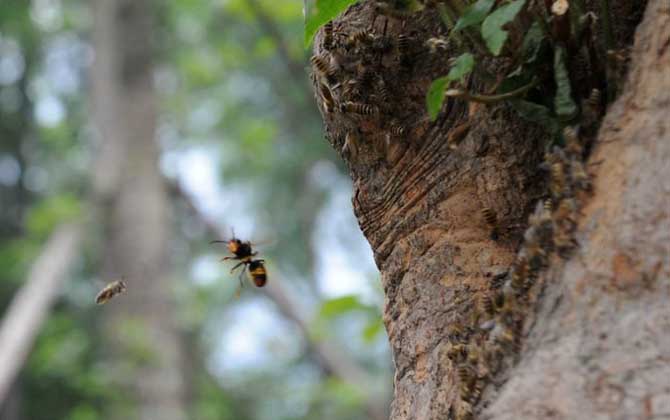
{"x": 536, "y": 113}
{"x": 532, "y": 43}
{"x": 564, "y": 105}
{"x": 338, "y": 306}
{"x": 462, "y": 67}
{"x": 435, "y": 97}
{"x": 492, "y": 29}
{"x": 318, "y": 12}
{"x": 474, "y": 15}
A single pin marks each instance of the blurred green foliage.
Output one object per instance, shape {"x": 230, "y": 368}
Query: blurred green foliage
{"x": 43, "y": 217}
{"x": 492, "y": 28}
{"x": 551, "y": 105}
{"x": 231, "y": 80}
{"x": 565, "y": 106}
{"x": 474, "y": 14}
{"x": 318, "y": 12}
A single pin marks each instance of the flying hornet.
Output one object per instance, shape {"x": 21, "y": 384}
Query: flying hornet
{"x": 243, "y": 252}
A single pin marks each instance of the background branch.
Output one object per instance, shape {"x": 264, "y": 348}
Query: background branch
{"x": 31, "y": 304}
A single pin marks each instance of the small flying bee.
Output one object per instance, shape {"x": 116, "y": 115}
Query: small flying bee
{"x": 403, "y": 42}
{"x": 327, "y": 97}
{"x": 548, "y": 205}
{"x": 618, "y": 56}
{"x": 322, "y": 65}
{"x": 397, "y": 130}
{"x": 498, "y": 279}
{"x": 487, "y": 305}
{"x": 507, "y": 337}
{"x": 498, "y": 299}
{"x": 464, "y": 411}
{"x": 494, "y": 355}
{"x": 541, "y": 226}
{"x": 360, "y": 36}
{"x": 595, "y": 99}
{"x": 258, "y": 273}
{"x": 109, "y": 291}
{"x": 520, "y": 273}
{"x": 404, "y": 47}
{"x": 567, "y": 211}
{"x": 457, "y": 134}
{"x": 351, "y": 89}
{"x": 384, "y": 94}
{"x": 473, "y": 355}
{"x": 437, "y": 44}
{"x": 580, "y": 177}
{"x": 457, "y": 353}
{"x": 457, "y": 333}
{"x": 350, "y": 147}
{"x": 491, "y": 219}
{"x": 328, "y": 35}
{"x": 565, "y": 243}
{"x": 476, "y": 392}
{"x": 534, "y": 245}
{"x": 558, "y": 180}
{"x": 572, "y": 144}
{"x": 358, "y": 108}
{"x": 466, "y": 376}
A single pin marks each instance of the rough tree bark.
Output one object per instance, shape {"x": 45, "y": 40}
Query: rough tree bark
{"x": 600, "y": 345}
{"x": 419, "y": 191}
{"x": 132, "y": 201}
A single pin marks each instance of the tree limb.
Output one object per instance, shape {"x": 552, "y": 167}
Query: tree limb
{"x": 32, "y": 303}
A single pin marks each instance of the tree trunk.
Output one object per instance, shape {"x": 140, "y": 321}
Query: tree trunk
{"x": 600, "y": 344}
{"x": 133, "y": 203}
{"x": 420, "y": 188}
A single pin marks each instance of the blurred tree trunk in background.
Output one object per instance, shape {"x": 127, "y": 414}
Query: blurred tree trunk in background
{"x": 11, "y": 407}
{"x": 145, "y": 351}
{"x": 595, "y": 341}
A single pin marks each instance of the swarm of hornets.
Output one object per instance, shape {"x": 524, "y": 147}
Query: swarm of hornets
{"x": 480, "y": 340}
{"x": 351, "y": 80}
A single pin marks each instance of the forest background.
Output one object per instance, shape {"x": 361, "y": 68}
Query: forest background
{"x": 221, "y": 88}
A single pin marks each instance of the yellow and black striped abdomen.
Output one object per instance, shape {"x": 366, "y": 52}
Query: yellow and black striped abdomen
{"x": 258, "y": 273}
